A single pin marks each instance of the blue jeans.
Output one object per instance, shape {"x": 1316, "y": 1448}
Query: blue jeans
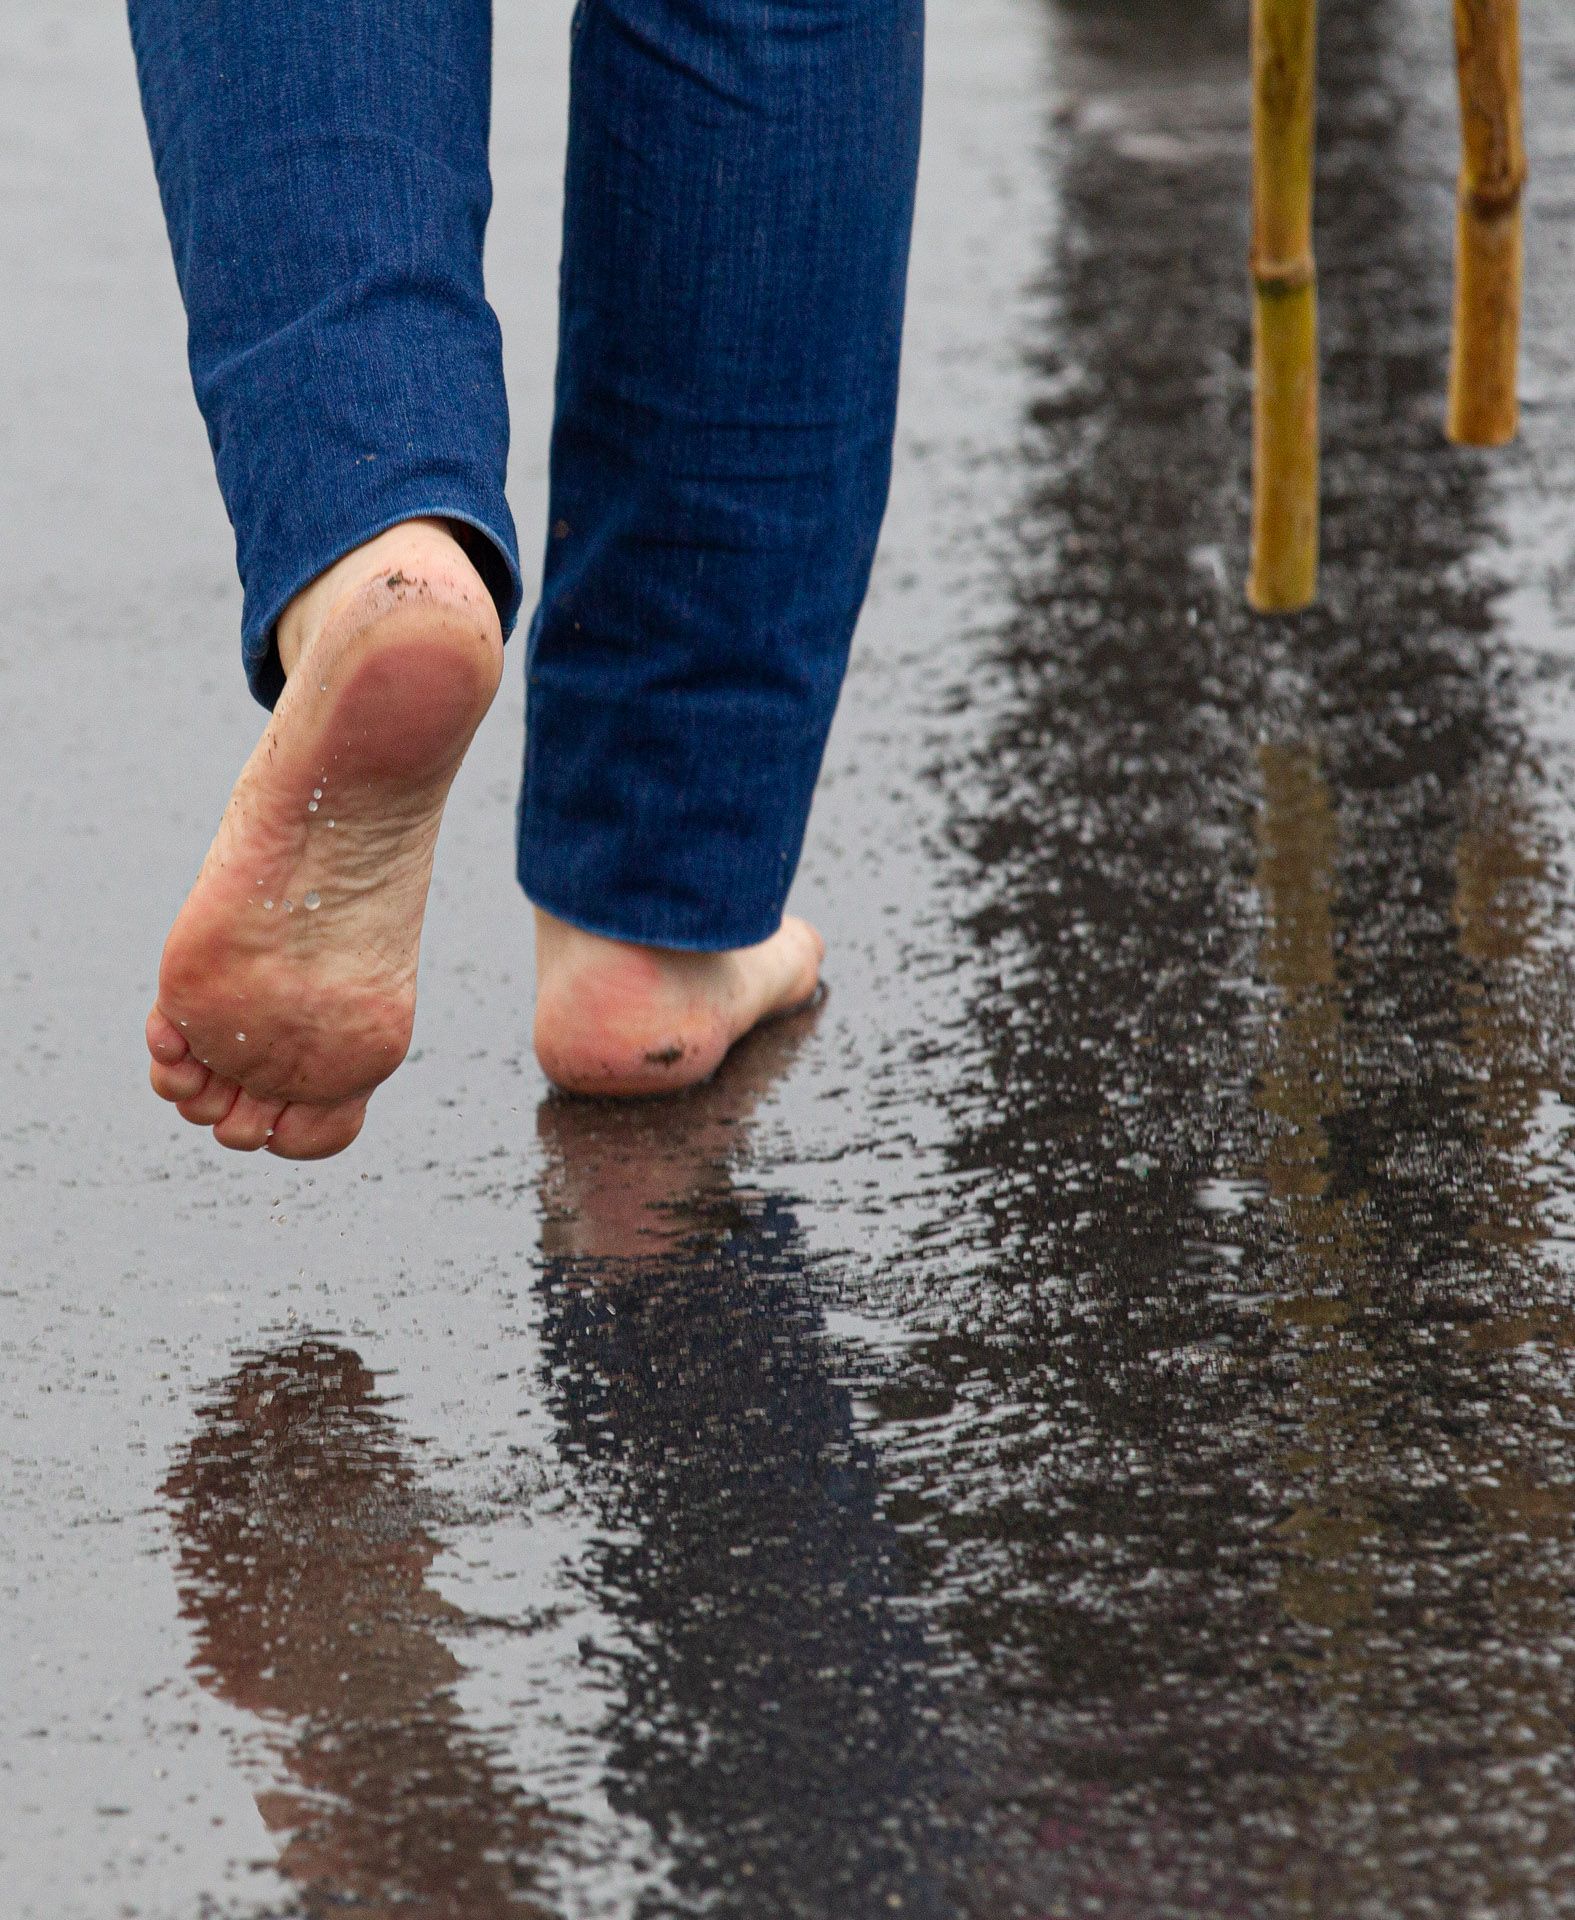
{"x": 738, "y": 201}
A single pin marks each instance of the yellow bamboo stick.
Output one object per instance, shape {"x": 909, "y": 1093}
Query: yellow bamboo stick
{"x": 1482, "y": 360}
{"x": 1284, "y": 570}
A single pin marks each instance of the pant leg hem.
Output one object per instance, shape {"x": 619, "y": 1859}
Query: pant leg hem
{"x": 638, "y": 932}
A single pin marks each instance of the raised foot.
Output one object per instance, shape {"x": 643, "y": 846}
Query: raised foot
{"x": 617, "y": 1019}
{"x": 287, "y": 988}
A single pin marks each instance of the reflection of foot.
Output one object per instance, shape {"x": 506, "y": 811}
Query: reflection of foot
{"x": 635, "y": 1180}
{"x": 288, "y": 983}
{"x": 304, "y": 1553}
{"x": 612, "y": 1018}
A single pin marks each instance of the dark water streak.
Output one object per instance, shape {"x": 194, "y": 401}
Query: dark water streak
{"x": 1271, "y": 1580}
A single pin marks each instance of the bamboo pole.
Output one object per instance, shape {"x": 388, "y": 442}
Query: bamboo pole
{"x": 1284, "y": 570}
{"x": 1482, "y": 407}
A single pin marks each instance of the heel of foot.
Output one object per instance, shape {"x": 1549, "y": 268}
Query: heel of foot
{"x": 616, "y": 1018}
{"x": 582, "y": 1053}
{"x": 407, "y": 677}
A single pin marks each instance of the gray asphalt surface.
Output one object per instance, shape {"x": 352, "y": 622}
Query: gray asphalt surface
{"x": 1078, "y": 1425}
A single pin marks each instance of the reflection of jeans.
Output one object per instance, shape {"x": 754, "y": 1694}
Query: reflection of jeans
{"x": 740, "y": 182}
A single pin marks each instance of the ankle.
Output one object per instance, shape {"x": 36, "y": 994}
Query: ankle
{"x": 581, "y": 966}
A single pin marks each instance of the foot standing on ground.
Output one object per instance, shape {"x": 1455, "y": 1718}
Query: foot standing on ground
{"x": 737, "y": 207}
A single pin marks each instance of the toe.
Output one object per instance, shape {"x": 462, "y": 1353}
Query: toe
{"x": 182, "y": 1081}
{"x": 304, "y": 1132}
{"x": 209, "y": 1107}
{"x": 809, "y": 951}
{"x": 166, "y": 1042}
{"x": 249, "y": 1124}
{"x": 785, "y": 970}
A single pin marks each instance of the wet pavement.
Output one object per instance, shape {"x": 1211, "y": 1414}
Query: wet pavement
{"x": 1080, "y": 1424}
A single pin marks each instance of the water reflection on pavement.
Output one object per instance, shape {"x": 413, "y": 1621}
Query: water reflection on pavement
{"x": 777, "y": 1720}
{"x": 304, "y": 1543}
{"x": 1079, "y": 1422}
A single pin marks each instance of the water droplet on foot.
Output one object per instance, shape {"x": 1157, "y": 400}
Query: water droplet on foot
{"x": 311, "y": 806}
{"x": 268, "y": 906}
{"x": 289, "y": 906}
{"x": 312, "y": 901}
{"x": 240, "y": 1036}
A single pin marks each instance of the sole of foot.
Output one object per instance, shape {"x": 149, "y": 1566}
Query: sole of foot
{"x": 288, "y": 984}
{"x": 618, "y": 1020}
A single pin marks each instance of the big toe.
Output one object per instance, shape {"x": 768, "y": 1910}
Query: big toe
{"x": 303, "y": 1132}
{"x": 785, "y": 969}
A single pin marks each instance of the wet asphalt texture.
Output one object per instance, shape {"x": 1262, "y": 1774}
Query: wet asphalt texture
{"x": 1079, "y": 1424}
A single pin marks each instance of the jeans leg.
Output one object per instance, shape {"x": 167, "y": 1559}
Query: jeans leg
{"x": 739, "y": 199}
{"x": 323, "y": 169}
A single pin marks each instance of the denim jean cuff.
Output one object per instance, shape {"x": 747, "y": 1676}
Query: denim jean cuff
{"x": 663, "y": 821}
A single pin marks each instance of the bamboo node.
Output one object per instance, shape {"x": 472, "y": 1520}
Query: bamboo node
{"x": 1489, "y": 197}
{"x": 1282, "y": 276}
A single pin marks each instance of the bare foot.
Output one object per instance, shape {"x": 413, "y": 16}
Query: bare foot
{"x": 612, "y": 1018}
{"x": 288, "y": 984}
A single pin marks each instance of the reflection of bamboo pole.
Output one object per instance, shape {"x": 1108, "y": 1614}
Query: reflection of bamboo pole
{"x": 1284, "y": 574}
{"x": 1498, "y": 871}
{"x": 1327, "y": 1539}
{"x": 1482, "y": 408}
